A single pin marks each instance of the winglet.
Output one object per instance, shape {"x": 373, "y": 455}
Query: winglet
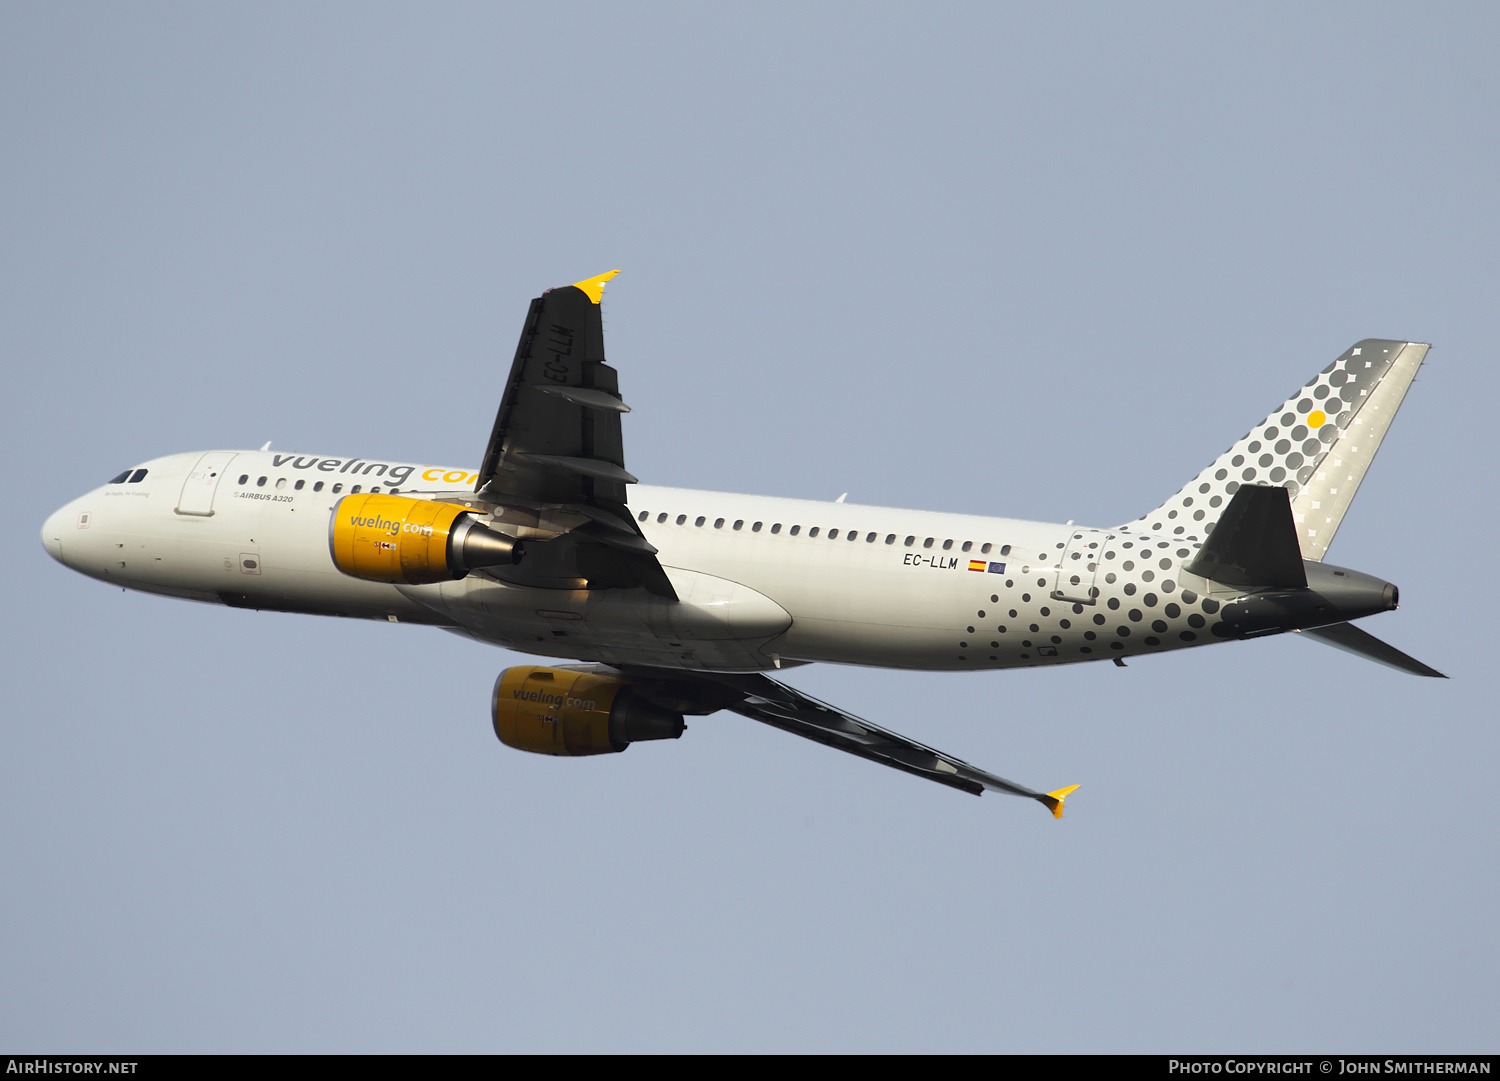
{"x": 594, "y": 287}
{"x": 1054, "y": 800}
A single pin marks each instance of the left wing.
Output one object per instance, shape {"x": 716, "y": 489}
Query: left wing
{"x": 764, "y": 699}
{"x": 555, "y": 464}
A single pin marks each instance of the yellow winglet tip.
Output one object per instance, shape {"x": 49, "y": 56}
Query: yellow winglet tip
{"x": 1054, "y": 800}
{"x": 594, "y": 287}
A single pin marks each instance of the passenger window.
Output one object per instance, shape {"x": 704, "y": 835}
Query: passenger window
{"x": 138, "y": 476}
{"x": 718, "y": 523}
{"x": 910, "y": 541}
{"x": 641, "y": 517}
{"x": 298, "y": 485}
{"x": 968, "y": 545}
{"x": 795, "y": 530}
{"x": 1005, "y": 549}
{"x": 947, "y": 545}
{"x": 336, "y": 489}
{"x": 985, "y": 548}
{"x": 261, "y": 483}
{"x": 317, "y": 486}
{"x": 661, "y": 518}
{"x": 927, "y": 543}
{"x": 833, "y": 534}
{"x": 123, "y": 477}
{"x": 395, "y": 491}
{"x": 699, "y": 520}
{"x": 755, "y": 528}
{"x": 776, "y": 528}
{"x": 354, "y": 490}
{"x": 375, "y": 490}
{"x": 244, "y": 477}
{"x": 739, "y": 523}
{"x": 280, "y": 482}
{"x": 813, "y": 532}
{"x": 890, "y": 538}
{"x": 681, "y": 518}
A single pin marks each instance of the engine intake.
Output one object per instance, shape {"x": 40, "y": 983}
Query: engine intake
{"x": 392, "y": 538}
{"x": 561, "y": 712}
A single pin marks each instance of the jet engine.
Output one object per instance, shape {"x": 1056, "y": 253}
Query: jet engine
{"x": 392, "y": 538}
{"x": 562, "y": 712}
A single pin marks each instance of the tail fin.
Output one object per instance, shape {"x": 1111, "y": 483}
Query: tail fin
{"x": 1318, "y": 445}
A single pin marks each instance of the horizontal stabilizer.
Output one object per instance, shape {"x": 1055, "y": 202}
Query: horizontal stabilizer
{"x": 1254, "y": 542}
{"x": 1351, "y": 639}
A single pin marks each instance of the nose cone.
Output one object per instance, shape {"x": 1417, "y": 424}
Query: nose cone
{"x": 52, "y": 533}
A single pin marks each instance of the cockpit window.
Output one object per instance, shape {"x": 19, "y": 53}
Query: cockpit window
{"x": 122, "y": 478}
{"x": 138, "y": 476}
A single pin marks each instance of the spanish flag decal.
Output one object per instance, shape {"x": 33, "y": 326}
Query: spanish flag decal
{"x": 976, "y": 564}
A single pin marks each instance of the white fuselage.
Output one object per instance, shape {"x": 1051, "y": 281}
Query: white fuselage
{"x": 762, "y": 581}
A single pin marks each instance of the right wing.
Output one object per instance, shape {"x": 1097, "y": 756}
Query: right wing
{"x": 770, "y": 702}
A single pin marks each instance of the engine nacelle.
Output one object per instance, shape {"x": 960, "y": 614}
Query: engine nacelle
{"x": 557, "y": 711}
{"x": 393, "y": 538}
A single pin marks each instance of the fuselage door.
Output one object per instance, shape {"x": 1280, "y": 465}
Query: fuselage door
{"x": 1079, "y": 568}
{"x": 202, "y": 482}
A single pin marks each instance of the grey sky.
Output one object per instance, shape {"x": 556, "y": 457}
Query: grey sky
{"x": 1043, "y": 262}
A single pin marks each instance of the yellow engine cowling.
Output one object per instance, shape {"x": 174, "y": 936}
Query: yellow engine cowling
{"x": 562, "y": 712}
{"x": 393, "y": 538}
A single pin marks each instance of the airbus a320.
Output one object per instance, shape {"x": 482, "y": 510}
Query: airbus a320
{"x": 672, "y": 603}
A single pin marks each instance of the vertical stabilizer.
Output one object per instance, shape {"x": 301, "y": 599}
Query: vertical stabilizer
{"x": 1317, "y": 445}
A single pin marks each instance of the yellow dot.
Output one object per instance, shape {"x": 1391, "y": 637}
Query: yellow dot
{"x": 1316, "y": 418}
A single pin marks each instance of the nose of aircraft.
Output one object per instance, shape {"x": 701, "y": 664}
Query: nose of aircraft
{"x": 53, "y": 531}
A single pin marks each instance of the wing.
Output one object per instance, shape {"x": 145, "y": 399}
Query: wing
{"x": 764, "y": 699}
{"x": 555, "y": 465}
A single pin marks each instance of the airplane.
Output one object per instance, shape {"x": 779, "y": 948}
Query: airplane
{"x": 674, "y": 603}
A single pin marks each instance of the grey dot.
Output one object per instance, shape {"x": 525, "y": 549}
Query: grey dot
{"x": 1294, "y": 460}
{"x": 1113, "y": 603}
{"x": 1249, "y": 474}
{"x": 1320, "y": 392}
{"x": 1117, "y": 645}
{"x": 1197, "y": 516}
{"x": 1130, "y": 589}
{"x": 1305, "y": 405}
{"x": 1232, "y": 487}
{"x": 1221, "y": 474}
{"x": 1237, "y": 461}
{"x": 1149, "y": 600}
{"x": 1328, "y": 433}
{"x": 1254, "y": 447}
{"x": 1135, "y": 615}
{"x": 1210, "y": 606}
{"x": 1147, "y": 576}
{"x": 1278, "y": 474}
{"x": 971, "y": 630}
{"x": 1064, "y": 623}
{"x": 994, "y": 598}
{"x": 1012, "y": 613}
{"x": 1123, "y": 632}
{"x": 981, "y": 613}
{"x": 1282, "y": 446}
{"x": 1035, "y": 628}
{"x": 1046, "y": 611}
{"x": 1299, "y": 433}
{"x": 1338, "y": 379}
{"x": 1311, "y": 447}
{"x": 1153, "y": 641}
{"x": 1270, "y": 433}
{"x": 1195, "y": 620}
{"x": 1287, "y": 418}
{"x": 1266, "y": 459}
{"x": 1188, "y": 636}
{"x": 1171, "y": 611}
{"x": 1203, "y": 488}
{"x": 1215, "y": 501}
{"x": 1168, "y": 585}
{"x": 1099, "y": 616}
{"x": 1189, "y": 597}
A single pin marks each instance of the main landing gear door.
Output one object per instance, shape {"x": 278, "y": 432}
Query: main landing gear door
{"x": 202, "y": 482}
{"x": 1080, "y": 567}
